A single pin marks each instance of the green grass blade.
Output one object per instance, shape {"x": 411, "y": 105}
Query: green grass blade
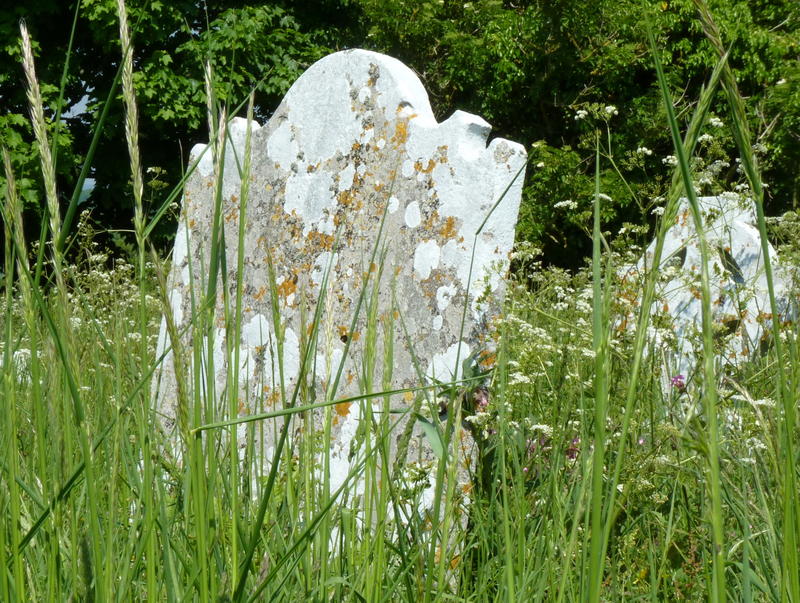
{"x": 709, "y": 394}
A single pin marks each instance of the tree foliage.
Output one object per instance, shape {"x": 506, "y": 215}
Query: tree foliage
{"x": 530, "y": 67}
{"x": 250, "y": 45}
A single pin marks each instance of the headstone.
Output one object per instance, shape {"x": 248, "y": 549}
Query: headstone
{"x": 739, "y": 297}
{"x": 353, "y": 181}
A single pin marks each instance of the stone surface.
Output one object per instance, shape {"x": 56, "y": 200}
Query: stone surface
{"x": 739, "y": 296}
{"x": 352, "y": 161}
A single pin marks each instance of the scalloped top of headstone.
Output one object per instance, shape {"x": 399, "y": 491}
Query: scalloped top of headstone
{"x": 352, "y": 175}
{"x": 739, "y": 297}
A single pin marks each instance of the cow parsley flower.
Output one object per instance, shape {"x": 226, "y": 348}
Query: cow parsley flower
{"x": 567, "y": 203}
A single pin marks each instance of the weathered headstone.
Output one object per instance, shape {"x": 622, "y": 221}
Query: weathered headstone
{"x": 352, "y": 180}
{"x": 739, "y": 297}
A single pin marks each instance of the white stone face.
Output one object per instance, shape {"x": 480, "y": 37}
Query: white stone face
{"x": 352, "y": 163}
{"x": 739, "y": 296}
{"x": 447, "y": 365}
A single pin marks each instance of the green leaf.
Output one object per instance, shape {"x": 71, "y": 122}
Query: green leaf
{"x": 433, "y": 435}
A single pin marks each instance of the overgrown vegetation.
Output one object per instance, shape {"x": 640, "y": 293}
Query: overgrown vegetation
{"x": 593, "y": 480}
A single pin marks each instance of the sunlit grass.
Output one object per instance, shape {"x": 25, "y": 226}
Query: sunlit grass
{"x": 590, "y": 481}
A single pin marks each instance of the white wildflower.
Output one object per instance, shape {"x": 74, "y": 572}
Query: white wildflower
{"x": 567, "y": 203}
{"x": 581, "y": 114}
{"x": 670, "y": 160}
{"x": 755, "y": 444}
{"x": 716, "y": 122}
{"x": 519, "y": 379}
{"x": 705, "y": 138}
{"x": 644, "y": 151}
{"x": 611, "y": 110}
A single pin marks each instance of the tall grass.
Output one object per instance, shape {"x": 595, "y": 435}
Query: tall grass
{"x": 588, "y": 483}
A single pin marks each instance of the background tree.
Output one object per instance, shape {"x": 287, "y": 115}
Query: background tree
{"x": 261, "y": 45}
{"x": 530, "y": 67}
{"x": 547, "y": 74}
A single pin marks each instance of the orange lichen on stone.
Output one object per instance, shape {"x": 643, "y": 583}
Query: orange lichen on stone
{"x": 449, "y": 230}
{"x": 427, "y": 169}
{"x": 271, "y": 396}
{"x": 487, "y": 359}
{"x": 319, "y": 241}
{"x": 345, "y": 198}
{"x": 408, "y": 397}
{"x": 343, "y": 408}
{"x": 260, "y": 294}
{"x": 287, "y": 287}
{"x": 431, "y": 221}
{"x": 400, "y": 133}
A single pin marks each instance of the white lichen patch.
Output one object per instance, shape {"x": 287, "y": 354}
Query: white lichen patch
{"x": 444, "y": 295}
{"x": 412, "y": 215}
{"x": 426, "y": 258}
{"x": 309, "y": 195}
